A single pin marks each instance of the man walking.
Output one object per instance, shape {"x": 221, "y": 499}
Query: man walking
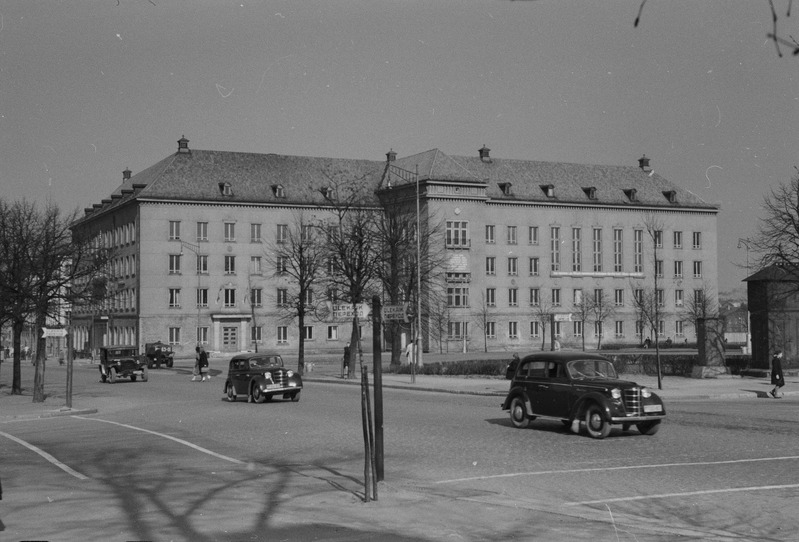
{"x": 777, "y": 379}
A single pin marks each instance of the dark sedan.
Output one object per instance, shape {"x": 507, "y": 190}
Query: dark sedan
{"x": 580, "y": 389}
{"x": 260, "y": 377}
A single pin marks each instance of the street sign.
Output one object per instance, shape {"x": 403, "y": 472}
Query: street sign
{"x": 54, "y": 332}
{"x": 395, "y": 312}
{"x": 345, "y": 311}
{"x": 563, "y": 317}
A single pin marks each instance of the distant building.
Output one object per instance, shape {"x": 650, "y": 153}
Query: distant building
{"x": 773, "y": 297}
{"x": 188, "y": 235}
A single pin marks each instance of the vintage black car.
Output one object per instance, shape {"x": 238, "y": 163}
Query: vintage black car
{"x": 260, "y": 377}
{"x": 121, "y": 362}
{"x": 158, "y": 354}
{"x": 580, "y": 389}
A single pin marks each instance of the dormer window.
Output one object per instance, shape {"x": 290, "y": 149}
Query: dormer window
{"x": 632, "y": 194}
{"x": 549, "y": 190}
{"x": 671, "y": 195}
{"x": 327, "y": 192}
{"x": 278, "y": 191}
{"x": 590, "y": 192}
{"x": 505, "y": 188}
{"x": 226, "y": 189}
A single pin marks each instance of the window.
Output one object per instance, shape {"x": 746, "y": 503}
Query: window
{"x": 599, "y": 297}
{"x": 659, "y": 268}
{"x": 255, "y": 334}
{"x": 534, "y": 270}
{"x": 512, "y": 235}
{"x": 556, "y": 297}
{"x": 282, "y": 297}
{"x": 619, "y": 329}
{"x": 678, "y": 298}
{"x": 639, "y": 328}
{"x": 678, "y": 329}
{"x": 174, "y": 264}
{"x": 697, "y": 269}
{"x": 577, "y": 297}
{"x": 577, "y": 249}
{"x": 457, "y": 234}
{"x": 307, "y": 297}
{"x": 230, "y": 265}
{"x": 282, "y": 265}
{"x": 577, "y": 328}
{"x": 659, "y": 297}
{"x": 282, "y": 334}
{"x": 535, "y": 297}
{"x": 699, "y": 298}
{"x": 618, "y": 297}
{"x": 597, "y": 249}
{"x": 554, "y": 247}
{"x": 513, "y": 297}
{"x": 306, "y": 233}
{"x": 282, "y": 235}
{"x": 230, "y": 231}
{"x": 661, "y": 328}
{"x": 658, "y": 238}
{"x": 513, "y": 266}
{"x": 256, "y": 295}
{"x": 618, "y": 253}
{"x": 697, "y": 240}
{"x": 255, "y": 233}
{"x": 490, "y": 234}
{"x": 491, "y": 297}
{"x": 174, "y": 336}
{"x": 491, "y": 263}
{"x": 174, "y": 298}
{"x": 255, "y": 265}
{"x": 677, "y": 239}
{"x": 535, "y": 329}
{"x": 638, "y": 294}
{"x": 638, "y": 251}
{"x": 230, "y": 297}
{"x": 332, "y": 333}
{"x": 513, "y": 330}
{"x": 532, "y": 235}
{"x": 202, "y": 297}
{"x": 307, "y": 333}
{"x": 202, "y": 264}
{"x": 677, "y": 269}
{"x": 457, "y": 297}
{"x": 278, "y": 191}
{"x": 202, "y": 231}
{"x": 226, "y": 189}
{"x": 491, "y": 330}
{"x": 332, "y": 295}
{"x": 599, "y": 328}
{"x": 457, "y": 330}
{"x": 174, "y": 230}
{"x": 202, "y": 335}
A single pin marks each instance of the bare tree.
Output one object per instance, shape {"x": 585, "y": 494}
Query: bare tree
{"x": 701, "y": 305}
{"x": 582, "y": 308}
{"x": 600, "y": 309}
{"x": 482, "y": 317}
{"x": 542, "y": 313}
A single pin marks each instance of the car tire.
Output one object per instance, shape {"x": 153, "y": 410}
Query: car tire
{"x": 648, "y": 428}
{"x": 295, "y": 397}
{"x": 231, "y": 393}
{"x": 103, "y": 378}
{"x": 145, "y": 374}
{"x": 133, "y": 378}
{"x": 149, "y": 364}
{"x": 112, "y": 375}
{"x": 518, "y": 413}
{"x": 258, "y": 396}
{"x": 595, "y": 423}
{"x": 169, "y": 363}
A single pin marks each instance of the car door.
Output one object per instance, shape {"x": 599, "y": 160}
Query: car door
{"x": 533, "y": 376}
{"x": 554, "y": 391}
{"x": 240, "y": 376}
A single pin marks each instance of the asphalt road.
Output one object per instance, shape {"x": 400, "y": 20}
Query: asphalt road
{"x": 170, "y": 459}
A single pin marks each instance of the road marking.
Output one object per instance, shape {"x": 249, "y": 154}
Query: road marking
{"x": 687, "y": 494}
{"x": 170, "y": 437}
{"x": 45, "y": 455}
{"x": 629, "y": 467}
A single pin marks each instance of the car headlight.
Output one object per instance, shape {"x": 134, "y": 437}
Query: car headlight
{"x": 615, "y": 393}
{"x": 268, "y": 375}
{"x": 645, "y": 393}
{"x": 289, "y": 373}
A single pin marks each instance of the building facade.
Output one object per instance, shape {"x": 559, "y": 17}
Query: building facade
{"x": 521, "y": 238}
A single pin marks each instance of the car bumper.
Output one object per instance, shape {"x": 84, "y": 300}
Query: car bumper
{"x": 628, "y": 419}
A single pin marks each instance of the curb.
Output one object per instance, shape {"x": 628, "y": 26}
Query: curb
{"x": 50, "y": 414}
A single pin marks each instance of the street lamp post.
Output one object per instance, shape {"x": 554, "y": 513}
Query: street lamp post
{"x": 745, "y": 242}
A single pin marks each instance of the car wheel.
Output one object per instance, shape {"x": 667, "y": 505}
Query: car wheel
{"x": 649, "y": 428}
{"x": 295, "y": 397}
{"x": 258, "y": 395}
{"x": 112, "y": 375}
{"x": 231, "y": 393}
{"x": 518, "y": 414}
{"x": 145, "y": 374}
{"x": 595, "y": 422}
{"x": 149, "y": 364}
{"x": 133, "y": 378}
{"x": 103, "y": 377}
{"x": 169, "y": 363}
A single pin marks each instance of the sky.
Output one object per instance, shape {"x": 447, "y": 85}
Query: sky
{"x": 90, "y": 88}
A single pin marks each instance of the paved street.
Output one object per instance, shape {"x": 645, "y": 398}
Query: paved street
{"x": 171, "y": 460}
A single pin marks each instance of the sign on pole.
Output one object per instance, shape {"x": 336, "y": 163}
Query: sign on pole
{"x": 563, "y": 317}
{"x": 346, "y": 311}
{"x": 54, "y": 332}
{"x": 395, "y": 312}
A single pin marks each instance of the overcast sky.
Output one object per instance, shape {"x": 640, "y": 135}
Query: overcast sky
{"x": 89, "y": 88}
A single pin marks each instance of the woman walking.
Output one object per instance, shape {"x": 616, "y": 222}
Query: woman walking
{"x": 777, "y": 379}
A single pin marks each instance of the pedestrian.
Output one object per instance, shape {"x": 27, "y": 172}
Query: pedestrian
{"x": 203, "y": 362}
{"x": 345, "y": 362}
{"x": 777, "y": 379}
{"x": 196, "y": 373}
{"x": 556, "y": 345}
{"x": 409, "y": 353}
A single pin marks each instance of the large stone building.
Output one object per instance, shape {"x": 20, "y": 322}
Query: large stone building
{"x": 521, "y": 236}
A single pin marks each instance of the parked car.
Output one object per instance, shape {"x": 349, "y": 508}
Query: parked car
{"x": 579, "y": 389}
{"x": 121, "y": 362}
{"x": 158, "y": 354}
{"x": 260, "y": 377}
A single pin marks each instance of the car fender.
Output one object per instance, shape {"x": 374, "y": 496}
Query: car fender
{"x": 579, "y": 407}
{"x": 519, "y": 392}
{"x": 259, "y": 381}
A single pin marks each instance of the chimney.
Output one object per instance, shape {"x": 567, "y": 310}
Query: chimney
{"x": 643, "y": 163}
{"x": 484, "y": 154}
{"x": 183, "y": 146}
{"x": 126, "y": 174}
{"x": 391, "y": 156}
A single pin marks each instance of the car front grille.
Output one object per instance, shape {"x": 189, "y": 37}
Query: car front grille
{"x": 632, "y": 401}
{"x": 279, "y": 377}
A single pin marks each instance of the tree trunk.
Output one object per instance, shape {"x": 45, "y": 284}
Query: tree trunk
{"x": 301, "y": 347}
{"x": 41, "y": 356}
{"x": 16, "y": 386}
{"x": 355, "y": 342}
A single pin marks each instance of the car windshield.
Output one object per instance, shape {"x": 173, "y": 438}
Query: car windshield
{"x": 582, "y": 369}
{"x": 270, "y": 361}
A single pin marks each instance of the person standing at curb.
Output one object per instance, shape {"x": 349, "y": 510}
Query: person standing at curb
{"x": 196, "y": 372}
{"x": 203, "y": 362}
{"x": 777, "y": 378}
